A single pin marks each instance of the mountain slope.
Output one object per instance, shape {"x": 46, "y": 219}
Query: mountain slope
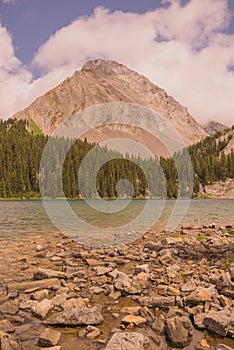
{"x": 102, "y": 81}
{"x": 212, "y": 127}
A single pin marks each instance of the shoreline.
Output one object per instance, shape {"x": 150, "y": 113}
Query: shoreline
{"x": 108, "y": 199}
{"x": 182, "y": 281}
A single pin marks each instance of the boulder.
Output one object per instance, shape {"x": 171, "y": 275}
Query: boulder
{"x": 167, "y": 290}
{"x": 200, "y": 295}
{"x": 188, "y": 287}
{"x": 7, "y": 343}
{"x": 158, "y": 324}
{"x": 218, "y": 322}
{"x": 6, "y": 326}
{"x": 49, "y": 337}
{"x": 94, "y": 332}
{"x": 136, "y": 320}
{"x": 42, "y": 308}
{"x": 77, "y": 317}
{"x": 127, "y": 341}
{"x": 162, "y": 302}
{"x": 10, "y": 307}
{"x": 179, "y": 330}
{"x": 198, "y": 320}
{"x": 35, "y": 285}
{"x": 124, "y": 284}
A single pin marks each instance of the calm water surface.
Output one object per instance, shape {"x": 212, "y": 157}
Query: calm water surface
{"x": 30, "y": 217}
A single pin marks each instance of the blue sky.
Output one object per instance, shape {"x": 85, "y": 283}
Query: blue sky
{"x": 31, "y": 22}
{"x": 44, "y": 41}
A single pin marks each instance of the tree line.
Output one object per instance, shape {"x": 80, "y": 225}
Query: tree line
{"x": 21, "y": 151}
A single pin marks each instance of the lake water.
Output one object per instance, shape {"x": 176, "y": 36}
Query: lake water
{"x": 30, "y": 217}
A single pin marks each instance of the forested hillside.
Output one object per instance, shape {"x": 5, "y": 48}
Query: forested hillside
{"x": 21, "y": 151}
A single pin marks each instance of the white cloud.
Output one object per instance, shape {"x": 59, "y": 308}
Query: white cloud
{"x": 185, "y": 50}
{"x": 8, "y": 1}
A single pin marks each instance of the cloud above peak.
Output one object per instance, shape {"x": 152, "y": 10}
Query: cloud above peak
{"x": 184, "y": 49}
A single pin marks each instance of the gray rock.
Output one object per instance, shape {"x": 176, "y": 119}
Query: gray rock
{"x": 158, "y": 325}
{"x": 94, "y": 332}
{"x": 132, "y": 319}
{"x": 231, "y": 271}
{"x": 75, "y": 271}
{"x": 200, "y": 295}
{"x": 77, "y": 317}
{"x": 188, "y": 287}
{"x": 49, "y": 337}
{"x": 7, "y": 343}
{"x": 179, "y": 330}
{"x": 223, "y": 347}
{"x": 42, "y": 308}
{"x": 127, "y": 341}
{"x": 198, "y": 320}
{"x": 40, "y": 295}
{"x": 6, "y": 326}
{"x": 142, "y": 268}
{"x": 124, "y": 283}
{"x": 218, "y": 322}
{"x": 153, "y": 246}
{"x": 162, "y": 302}
{"x": 165, "y": 259}
{"x": 10, "y": 307}
{"x": 101, "y": 270}
{"x": 168, "y": 290}
{"x": 41, "y": 274}
{"x": 35, "y": 285}
{"x": 39, "y": 248}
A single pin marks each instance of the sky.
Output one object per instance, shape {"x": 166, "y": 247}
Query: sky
{"x": 184, "y": 46}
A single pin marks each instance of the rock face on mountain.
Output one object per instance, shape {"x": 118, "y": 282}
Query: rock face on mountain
{"x": 212, "y": 127}
{"x": 102, "y": 81}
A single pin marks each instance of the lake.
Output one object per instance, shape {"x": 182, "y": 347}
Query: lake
{"x": 30, "y": 217}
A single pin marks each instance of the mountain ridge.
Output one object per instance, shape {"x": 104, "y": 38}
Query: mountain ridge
{"x": 103, "y": 81}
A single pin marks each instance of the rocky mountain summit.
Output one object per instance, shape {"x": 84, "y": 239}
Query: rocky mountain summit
{"x": 103, "y": 81}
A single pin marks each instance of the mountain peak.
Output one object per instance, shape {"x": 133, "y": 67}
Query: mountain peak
{"x": 101, "y": 64}
{"x": 103, "y": 81}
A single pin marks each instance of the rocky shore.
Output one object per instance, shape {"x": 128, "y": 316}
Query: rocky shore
{"x": 163, "y": 291}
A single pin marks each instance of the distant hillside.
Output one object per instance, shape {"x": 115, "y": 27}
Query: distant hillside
{"x": 212, "y": 127}
{"x": 213, "y": 163}
{"x": 103, "y": 81}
